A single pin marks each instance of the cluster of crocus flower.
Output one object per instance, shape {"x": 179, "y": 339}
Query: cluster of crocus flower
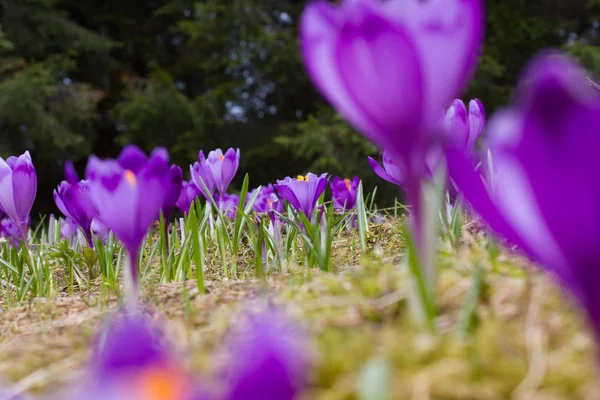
{"x": 266, "y": 358}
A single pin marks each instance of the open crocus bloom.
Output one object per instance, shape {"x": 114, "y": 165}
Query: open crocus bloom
{"x": 18, "y": 187}
{"x": 303, "y": 192}
{"x": 129, "y": 192}
{"x": 545, "y": 190}
{"x": 344, "y": 192}
{"x": 391, "y": 67}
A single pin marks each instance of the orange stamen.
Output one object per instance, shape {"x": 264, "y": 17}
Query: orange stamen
{"x": 162, "y": 384}
{"x": 130, "y": 177}
{"x": 347, "y": 182}
{"x": 221, "y": 158}
{"x": 270, "y": 203}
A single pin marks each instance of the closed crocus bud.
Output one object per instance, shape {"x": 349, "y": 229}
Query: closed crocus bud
{"x": 18, "y": 187}
{"x": 546, "y": 190}
{"x": 476, "y": 122}
{"x": 390, "y": 68}
{"x": 189, "y": 193}
{"x": 302, "y": 192}
{"x": 456, "y": 123}
{"x": 344, "y": 192}
{"x": 173, "y": 191}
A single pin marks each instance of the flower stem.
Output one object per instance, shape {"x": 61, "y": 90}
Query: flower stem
{"x": 130, "y": 281}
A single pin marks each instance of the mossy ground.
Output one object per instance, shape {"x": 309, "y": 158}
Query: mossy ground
{"x": 526, "y": 341}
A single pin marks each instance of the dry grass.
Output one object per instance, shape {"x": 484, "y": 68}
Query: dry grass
{"x": 528, "y": 342}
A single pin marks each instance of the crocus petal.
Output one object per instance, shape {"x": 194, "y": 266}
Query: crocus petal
{"x": 132, "y": 158}
{"x": 457, "y": 123}
{"x": 382, "y": 173}
{"x": 24, "y": 186}
{"x": 543, "y": 146}
{"x": 365, "y": 70}
{"x": 476, "y": 122}
{"x": 448, "y": 35}
{"x": 289, "y": 195}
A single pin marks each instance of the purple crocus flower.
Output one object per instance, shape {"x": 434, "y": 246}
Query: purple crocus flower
{"x": 391, "y": 171}
{"x": 173, "y": 192}
{"x": 217, "y": 171}
{"x": 269, "y": 359}
{"x": 10, "y": 232}
{"x": 464, "y": 126}
{"x": 344, "y": 192}
{"x": 130, "y": 361}
{"x": 228, "y": 204}
{"x": 391, "y": 68}
{"x": 543, "y": 146}
{"x": 128, "y": 194}
{"x": 189, "y": 194}
{"x": 73, "y": 199}
{"x": 18, "y": 187}
{"x": 267, "y": 200}
{"x": 303, "y": 192}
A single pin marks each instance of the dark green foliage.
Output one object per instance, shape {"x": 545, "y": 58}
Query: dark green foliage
{"x": 83, "y": 76}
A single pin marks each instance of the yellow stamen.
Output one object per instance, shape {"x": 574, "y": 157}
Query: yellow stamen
{"x": 300, "y": 178}
{"x": 347, "y": 182}
{"x": 221, "y": 158}
{"x": 130, "y": 177}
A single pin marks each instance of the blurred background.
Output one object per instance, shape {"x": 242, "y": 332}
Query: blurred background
{"x": 87, "y": 76}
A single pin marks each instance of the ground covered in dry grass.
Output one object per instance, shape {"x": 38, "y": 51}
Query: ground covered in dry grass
{"x": 513, "y": 336}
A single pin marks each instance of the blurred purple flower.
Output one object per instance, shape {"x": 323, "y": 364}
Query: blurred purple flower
{"x": 173, "y": 192}
{"x": 344, "y": 192}
{"x": 18, "y": 186}
{"x": 544, "y": 192}
{"x": 228, "y": 204}
{"x": 391, "y": 171}
{"x": 73, "y": 199}
{"x": 391, "y": 67}
{"x": 304, "y": 192}
{"x": 189, "y": 194}
{"x": 267, "y": 200}
{"x": 128, "y": 194}
{"x": 130, "y": 361}
{"x": 465, "y": 127}
{"x": 217, "y": 171}
{"x": 10, "y": 232}
{"x": 268, "y": 358}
